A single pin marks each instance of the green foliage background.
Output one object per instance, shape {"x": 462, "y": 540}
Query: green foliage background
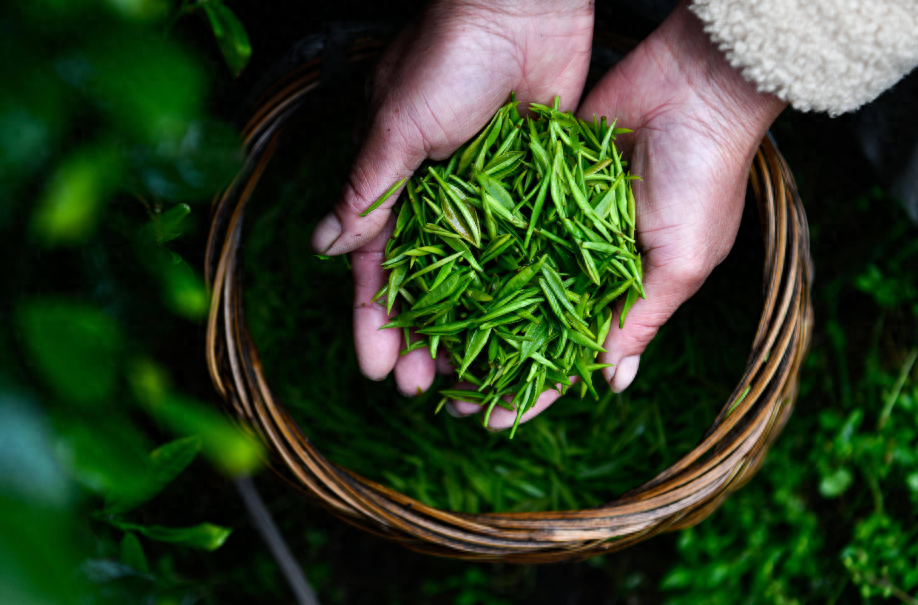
{"x": 115, "y": 466}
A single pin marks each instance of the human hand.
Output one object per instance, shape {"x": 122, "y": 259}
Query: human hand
{"x": 697, "y": 125}
{"x": 439, "y": 84}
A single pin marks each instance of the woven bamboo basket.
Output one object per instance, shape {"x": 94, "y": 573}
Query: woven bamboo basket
{"x": 726, "y": 457}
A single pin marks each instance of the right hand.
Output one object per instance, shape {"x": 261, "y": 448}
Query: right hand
{"x": 697, "y": 124}
{"x": 436, "y": 86}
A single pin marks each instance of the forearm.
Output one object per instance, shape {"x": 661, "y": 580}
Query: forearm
{"x": 709, "y": 73}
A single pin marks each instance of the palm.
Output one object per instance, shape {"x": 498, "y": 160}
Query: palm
{"x": 697, "y": 125}
{"x": 453, "y": 71}
{"x": 690, "y": 198}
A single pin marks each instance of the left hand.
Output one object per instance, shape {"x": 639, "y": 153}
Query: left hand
{"x": 436, "y": 86}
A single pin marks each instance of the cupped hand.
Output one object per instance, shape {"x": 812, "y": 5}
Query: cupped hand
{"x": 697, "y": 125}
{"x": 436, "y": 86}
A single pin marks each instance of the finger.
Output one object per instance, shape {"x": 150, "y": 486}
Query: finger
{"x": 609, "y": 99}
{"x": 459, "y": 408}
{"x": 444, "y": 367}
{"x": 391, "y": 153}
{"x": 414, "y": 371}
{"x": 377, "y": 350}
{"x": 667, "y": 286}
{"x": 502, "y": 418}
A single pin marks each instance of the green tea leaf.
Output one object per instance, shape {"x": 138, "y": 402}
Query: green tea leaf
{"x": 396, "y": 277}
{"x": 495, "y": 287}
{"x": 630, "y": 299}
{"x": 386, "y": 195}
{"x": 476, "y": 344}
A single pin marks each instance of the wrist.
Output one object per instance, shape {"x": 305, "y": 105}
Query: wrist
{"x": 523, "y": 8}
{"x": 715, "y": 80}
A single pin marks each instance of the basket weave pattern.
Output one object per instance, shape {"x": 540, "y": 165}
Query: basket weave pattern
{"x": 728, "y": 455}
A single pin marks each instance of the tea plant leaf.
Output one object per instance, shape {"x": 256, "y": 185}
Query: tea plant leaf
{"x": 231, "y": 36}
{"x": 386, "y": 195}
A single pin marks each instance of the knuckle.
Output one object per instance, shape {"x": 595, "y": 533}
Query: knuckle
{"x": 696, "y": 269}
{"x": 639, "y": 332}
{"x": 693, "y": 270}
{"x": 354, "y": 198}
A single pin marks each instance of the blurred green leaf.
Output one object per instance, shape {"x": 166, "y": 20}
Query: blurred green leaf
{"x": 171, "y": 459}
{"x": 140, "y": 10}
{"x": 132, "y": 553}
{"x": 188, "y": 165}
{"x": 29, "y": 469}
{"x": 166, "y": 226}
{"x": 74, "y": 346}
{"x": 73, "y": 201}
{"x": 912, "y": 482}
{"x": 107, "y": 458}
{"x": 169, "y": 222}
{"x": 33, "y": 111}
{"x": 123, "y": 583}
{"x": 165, "y": 464}
{"x": 147, "y": 84}
{"x": 37, "y": 554}
{"x": 205, "y": 536}
{"x": 184, "y": 291}
{"x": 230, "y": 35}
{"x": 836, "y": 483}
{"x": 222, "y": 442}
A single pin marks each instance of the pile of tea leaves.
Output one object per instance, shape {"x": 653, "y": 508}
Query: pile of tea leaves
{"x": 583, "y": 453}
{"x": 523, "y": 303}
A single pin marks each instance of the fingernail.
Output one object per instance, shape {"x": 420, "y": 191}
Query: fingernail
{"x": 451, "y": 410}
{"x": 418, "y": 391}
{"x": 375, "y": 379}
{"x": 609, "y": 373}
{"x": 625, "y": 373}
{"x": 326, "y": 233}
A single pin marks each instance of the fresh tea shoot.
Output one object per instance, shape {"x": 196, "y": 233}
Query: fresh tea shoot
{"x": 509, "y": 255}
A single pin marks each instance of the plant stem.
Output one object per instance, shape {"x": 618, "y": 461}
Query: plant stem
{"x": 265, "y": 526}
{"x": 894, "y": 395}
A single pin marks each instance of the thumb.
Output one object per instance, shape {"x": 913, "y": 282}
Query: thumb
{"x": 392, "y": 151}
{"x": 667, "y": 284}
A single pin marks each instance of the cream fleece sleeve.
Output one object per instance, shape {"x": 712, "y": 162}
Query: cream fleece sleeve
{"x": 819, "y": 55}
